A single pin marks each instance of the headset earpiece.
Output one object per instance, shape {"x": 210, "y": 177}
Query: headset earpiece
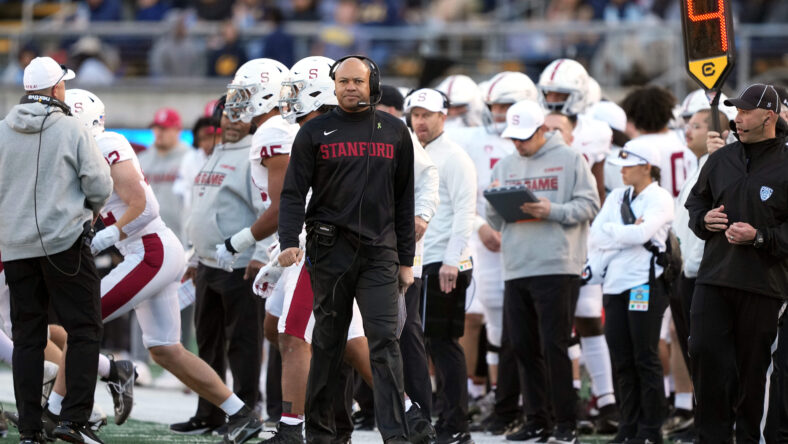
{"x": 446, "y": 102}
{"x": 218, "y": 109}
{"x": 375, "y": 90}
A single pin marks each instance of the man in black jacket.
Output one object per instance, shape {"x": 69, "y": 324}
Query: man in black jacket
{"x": 739, "y": 206}
{"x": 360, "y": 242}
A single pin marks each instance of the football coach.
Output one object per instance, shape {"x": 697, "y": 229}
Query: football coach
{"x": 739, "y": 206}
{"x": 360, "y": 239}
{"x": 53, "y": 180}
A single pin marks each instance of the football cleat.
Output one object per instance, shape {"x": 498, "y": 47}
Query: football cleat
{"x": 120, "y": 385}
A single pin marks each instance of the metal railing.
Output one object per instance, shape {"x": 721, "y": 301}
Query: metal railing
{"x": 611, "y": 52}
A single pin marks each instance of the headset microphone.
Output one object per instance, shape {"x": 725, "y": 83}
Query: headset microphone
{"x": 762, "y": 125}
{"x": 373, "y": 103}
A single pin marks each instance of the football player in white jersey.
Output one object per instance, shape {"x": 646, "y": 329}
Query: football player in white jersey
{"x": 465, "y": 101}
{"x": 649, "y": 111}
{"x": 253, "y": 97}
{"x": 593, "y": 93}
{"x": 148, "y": 278}
{"x": 615, "y": 117}
{"x": 485, "y": 147}
{"x": 694, "y": 102}
{"x": 565, "y": 87}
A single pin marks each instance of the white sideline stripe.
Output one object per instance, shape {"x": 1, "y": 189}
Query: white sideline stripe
{"x": 769, "y": 372}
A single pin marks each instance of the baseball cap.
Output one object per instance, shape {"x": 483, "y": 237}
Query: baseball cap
{"x": 167, "y": 118}
{"x": 637, "y": 152}
{"x": 43, "y": 73}
{"x": 390, "y": 96}
{"x": 522, "y": 120}
{"x": 427, "y": 98}
{"x": 757, "y": 96}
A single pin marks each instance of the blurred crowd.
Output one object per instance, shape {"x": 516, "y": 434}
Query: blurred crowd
{"x": 342, "y": 29}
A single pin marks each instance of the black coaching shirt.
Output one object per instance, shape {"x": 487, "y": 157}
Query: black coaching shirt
{"x": 353, "y": 161}
{"x": 751, "y": 180}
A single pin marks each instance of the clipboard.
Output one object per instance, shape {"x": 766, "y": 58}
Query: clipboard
{"x": 507, "y": 201}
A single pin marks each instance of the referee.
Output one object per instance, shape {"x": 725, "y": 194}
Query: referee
{"x": 738, "y": 206}
{"x": 54, "y": 179}
{"x": 360, "y": 242}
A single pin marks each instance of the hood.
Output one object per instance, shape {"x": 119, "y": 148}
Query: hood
{"x": 28, "y": 117}
{"x": 554, "y": 140}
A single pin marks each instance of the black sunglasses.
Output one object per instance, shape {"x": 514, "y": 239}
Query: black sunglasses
{"x": 625, "y": 155}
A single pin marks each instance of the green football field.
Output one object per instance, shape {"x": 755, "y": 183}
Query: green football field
{"x": 147, "y": 432}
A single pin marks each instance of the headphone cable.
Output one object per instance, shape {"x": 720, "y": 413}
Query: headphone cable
{"x": 35, "y": 205}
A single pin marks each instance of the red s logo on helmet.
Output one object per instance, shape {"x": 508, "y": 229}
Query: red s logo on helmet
{"x": 313, "y": 74}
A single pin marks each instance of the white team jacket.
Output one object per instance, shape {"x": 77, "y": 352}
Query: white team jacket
{"x": 449, "y": 232}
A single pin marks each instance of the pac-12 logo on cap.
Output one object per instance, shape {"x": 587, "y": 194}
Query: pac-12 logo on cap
{"x": 766, "y": 193}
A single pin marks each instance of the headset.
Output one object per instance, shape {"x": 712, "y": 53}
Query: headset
{"x": 46, "y": 101}
{"x": 218, "y": 109}
{"x": 732, "y": 125}
{"x": 375, "y": 91}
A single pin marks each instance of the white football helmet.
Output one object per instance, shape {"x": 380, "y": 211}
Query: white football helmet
{"x": 564, "y": 76}
{"x": 255, "y": 89}
{"x": 610, "y": 113}
{"x": 593, "y": 93}
{"x": 308, "y": 88}
{"x": 507, "y": 87}
{"x": 698, "y": 100}
{"x": 88, "y": 108}
{"x": 463, "y": 91}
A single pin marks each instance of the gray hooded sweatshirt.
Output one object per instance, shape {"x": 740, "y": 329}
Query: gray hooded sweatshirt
{"x": 558, "y": 244}
{"x": 225, "y": 201}
{"x": 71, "y": 182}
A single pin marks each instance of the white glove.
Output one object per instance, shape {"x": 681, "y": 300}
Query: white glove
{"x": 266, "y": 279}
{"x": 104, "y": 239}
{"x": 224, "y": 259}
{"x": 239, "y": 242}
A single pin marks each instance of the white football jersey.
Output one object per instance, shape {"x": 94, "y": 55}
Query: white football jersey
{"x": 592, "y": 138}
{"x": 115, "y": 148}
{"x": 274, "y": 137}
{"x": 485, "y": 150}
{"x": 678, "y": 162}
